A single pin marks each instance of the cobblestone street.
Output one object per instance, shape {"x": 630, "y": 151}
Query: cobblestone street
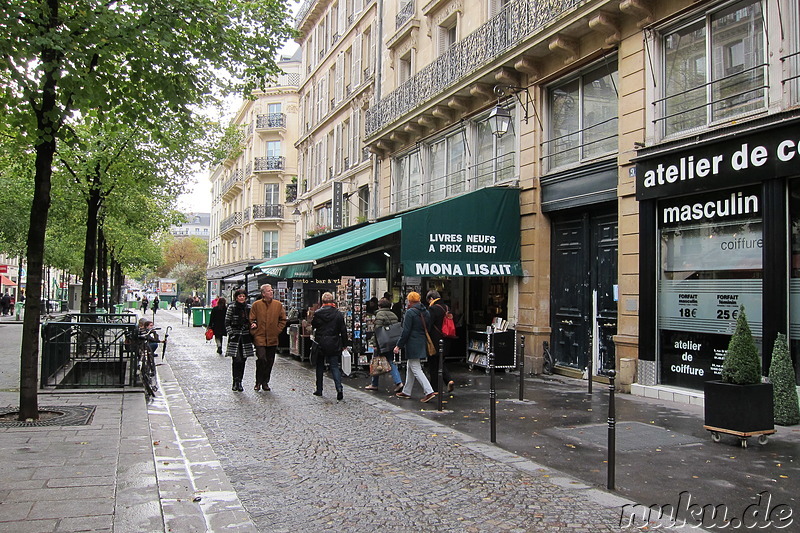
{"x": 303, "y": 463}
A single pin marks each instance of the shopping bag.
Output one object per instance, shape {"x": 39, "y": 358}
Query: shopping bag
{"x": 209, "y": 334}
{"x": 347, "y": 362}
{"x": 387, "y": 336}
{"x": 379, "y": 365}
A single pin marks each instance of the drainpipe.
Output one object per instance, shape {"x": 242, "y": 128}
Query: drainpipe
{"x": 377, "y": 94}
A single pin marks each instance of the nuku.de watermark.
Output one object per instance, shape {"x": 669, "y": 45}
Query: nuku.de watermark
{"x": 763, "y": 514}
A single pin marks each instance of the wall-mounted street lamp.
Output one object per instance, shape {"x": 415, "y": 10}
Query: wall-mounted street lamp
{"x": 500, "y": 117}
{"x": 296, "y": 212}
{"x": 234, "y": 244}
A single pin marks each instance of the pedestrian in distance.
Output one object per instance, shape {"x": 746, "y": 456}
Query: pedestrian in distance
{"x": 397, "y": 307}
{"x": 330, "y": 337}
{"x": 269, "y": 318}
{"x": 143, "y": 304}
{"x": 438, "y": 311}
{"x": 217, "y": 322}
{"x": 385, "y": 317}
{"x": 5, "y": 303}
{"x": 413, "y": 341}
{"x": 240, "y": 340}
{"x": 154, "y": 305}
{"x": 173, "y": 304}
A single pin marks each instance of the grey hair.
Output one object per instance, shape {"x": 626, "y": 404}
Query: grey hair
{"x": 327, "y": 298}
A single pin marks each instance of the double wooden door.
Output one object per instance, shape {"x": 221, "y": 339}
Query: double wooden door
{"x": 584, "y": 290}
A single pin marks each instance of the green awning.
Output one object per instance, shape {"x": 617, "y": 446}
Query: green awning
{"x": 476, "y": 234}
{"x": 300, "y": 264}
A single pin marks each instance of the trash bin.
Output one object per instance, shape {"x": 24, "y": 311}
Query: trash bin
{"x": 199, "y": 316}
{"x": 163, "y": 304}
{"x": 118, "y": 309}
{"x": 64, "y": 306}
{"x": 19, "y": 310}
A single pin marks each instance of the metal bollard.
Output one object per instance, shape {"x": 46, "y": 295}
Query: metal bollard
{"x": 440, "y": 376}
{"x": 492, "y": 390}
{"x": 589, "y": 372}
{"x": 612, "y": 423}
{"x": 521, "y": 365}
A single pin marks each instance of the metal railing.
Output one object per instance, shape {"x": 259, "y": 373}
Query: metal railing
{"x": 405, "y": 13}
{"x": 262, "y": 211}
{"x": 271, "y": 162}
{"x": 515, "y": 22}
{"x": 236, "y": 178}
{"x": 88, "y": 354}
{"x": 428, "y": 190}
{"x": 271, "y": 120}
{"x": 230, "y": 221}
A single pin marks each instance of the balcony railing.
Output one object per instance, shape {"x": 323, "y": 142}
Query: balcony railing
{"x": 271, "y": 121}
{"x": 405, "y": 13}
{"x": 263, "y": 211}
{"x": 272, "y": 162}
{"x": 518, "y": 20}
{"x": 791, "y": 78}
{"x": 231, "y": 221}
{"x": 236, "y": 178}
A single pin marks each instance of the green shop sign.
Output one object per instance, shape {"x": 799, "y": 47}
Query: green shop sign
{"x": 477, "y": 234}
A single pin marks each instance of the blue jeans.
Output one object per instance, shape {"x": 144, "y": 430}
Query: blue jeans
{"x": 334, "y": 362}
{"x": 394, "y": 373}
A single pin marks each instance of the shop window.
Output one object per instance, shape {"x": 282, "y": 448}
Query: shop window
{"x": 711, "y": 249}
{"x": 270, "y": 249}
{"x": 794, "y": 281}
{"x": 713, "y": 68}
{"x": 583, "y": 117}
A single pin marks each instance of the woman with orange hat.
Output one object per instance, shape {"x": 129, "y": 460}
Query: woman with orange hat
{"x": 412, "y": 340}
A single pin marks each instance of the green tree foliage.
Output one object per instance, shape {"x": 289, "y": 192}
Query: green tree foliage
{"x": 62, "y": 60}
{"x": 742, "y": 364}
{"x": 784, "y": 390}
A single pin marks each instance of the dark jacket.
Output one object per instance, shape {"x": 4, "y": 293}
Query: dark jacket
{"x": 437, "y": 310}
{"x": 217, "y": 320}
{"x": 330, "y": 331}
{"x": 413, "y": 337}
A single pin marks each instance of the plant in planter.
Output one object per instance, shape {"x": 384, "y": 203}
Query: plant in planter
{"x": 781, "y": 375}
{"x": 740, "y": 404}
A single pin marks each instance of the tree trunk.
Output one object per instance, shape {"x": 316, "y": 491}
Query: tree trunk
{"x": 90, "y": 250}
{"x": 29, "y": 351}
{"x": 102, "y": 269}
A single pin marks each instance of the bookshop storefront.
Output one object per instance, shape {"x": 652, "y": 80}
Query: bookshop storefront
{"x": 718, "y": 232}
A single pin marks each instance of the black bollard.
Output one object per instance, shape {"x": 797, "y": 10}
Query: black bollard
{"x": 521, "y": 365}
{"x": 612, "y": 423}
{"x": 492, "y": 390}
{"x": 589, "y": 372}
{"x": 440, "y": 376}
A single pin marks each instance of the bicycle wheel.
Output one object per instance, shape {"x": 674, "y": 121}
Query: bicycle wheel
{"x": 85, "y": 344}
{"x": 147, "y": 372}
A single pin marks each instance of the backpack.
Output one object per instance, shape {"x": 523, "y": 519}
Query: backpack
{"x": 448, "y": 325}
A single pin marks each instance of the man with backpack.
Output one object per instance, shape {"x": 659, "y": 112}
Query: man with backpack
{"x": 441, "y": 328}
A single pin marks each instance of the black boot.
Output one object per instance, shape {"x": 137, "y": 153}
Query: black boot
{"x": 339, "y": 394}
{"x": 239, "y": 386}
{"x": 234, "y": 387}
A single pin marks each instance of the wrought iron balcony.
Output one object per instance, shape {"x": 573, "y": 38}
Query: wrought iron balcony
{"x": 237, "y": 177}
{"x": 518, "y": 20}
{"x": 405, "y": 13}
{"x": 231, "y": 221}
{"x": 270, "y": 163}
{"x": 271, "y": 121}
{"x": 263, "y": 211}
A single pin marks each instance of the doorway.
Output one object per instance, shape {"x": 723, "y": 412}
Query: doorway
{"x": 584, "y": 290}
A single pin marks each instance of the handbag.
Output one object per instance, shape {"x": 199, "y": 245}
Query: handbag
{"x": 209, "y": 334}
{"x": 387, "y": 336}
{"x": 430, "y": 347}
{"x": 379, "y": 365}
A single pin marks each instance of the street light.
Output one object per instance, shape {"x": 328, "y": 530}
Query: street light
{"x": 233, "y": 244}
{"x": 499, "y": 120}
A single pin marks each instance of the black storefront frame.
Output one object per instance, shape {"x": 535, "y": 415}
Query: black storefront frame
{"x": 775, "y": 220}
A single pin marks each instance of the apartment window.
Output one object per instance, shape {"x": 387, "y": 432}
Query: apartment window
{"x": 273, "y": 148}
{"x": 407, "y": 181}
{"x": 583, "y": 117}
{"x": 714, "y": 68}
{"x": 404, "y": 68}
{"x": 448, "y": 167}
{"x": 274, "y": 108}
{"x": 323, "y": 217}
{"x": 272, "y": 194}
{"x": 495, "y": 160}
{"x": 448, "y": 33}
{"x": 270, "y": 248}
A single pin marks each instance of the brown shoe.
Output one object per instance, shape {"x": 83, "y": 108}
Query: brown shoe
{"x": 450, "y": 386}
{"x": 370, "y": 387}
{"x": 265, "y": 387}
{"x": 257, "y": 387}
{"x": 402, "y": 395}
{"x": 429, "y": 397}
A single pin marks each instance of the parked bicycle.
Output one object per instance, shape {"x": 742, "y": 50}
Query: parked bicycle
{"x": 549, "y": 364}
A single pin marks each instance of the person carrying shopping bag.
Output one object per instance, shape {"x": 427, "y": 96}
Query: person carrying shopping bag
{"x": 414, "y": 341}
{"x": 385, "y": 317}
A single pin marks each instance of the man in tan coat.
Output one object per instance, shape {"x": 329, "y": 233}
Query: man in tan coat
{"x": 268, "y": 319}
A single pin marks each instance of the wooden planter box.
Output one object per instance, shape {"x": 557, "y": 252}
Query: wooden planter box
{"x": 742, "y": 410}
